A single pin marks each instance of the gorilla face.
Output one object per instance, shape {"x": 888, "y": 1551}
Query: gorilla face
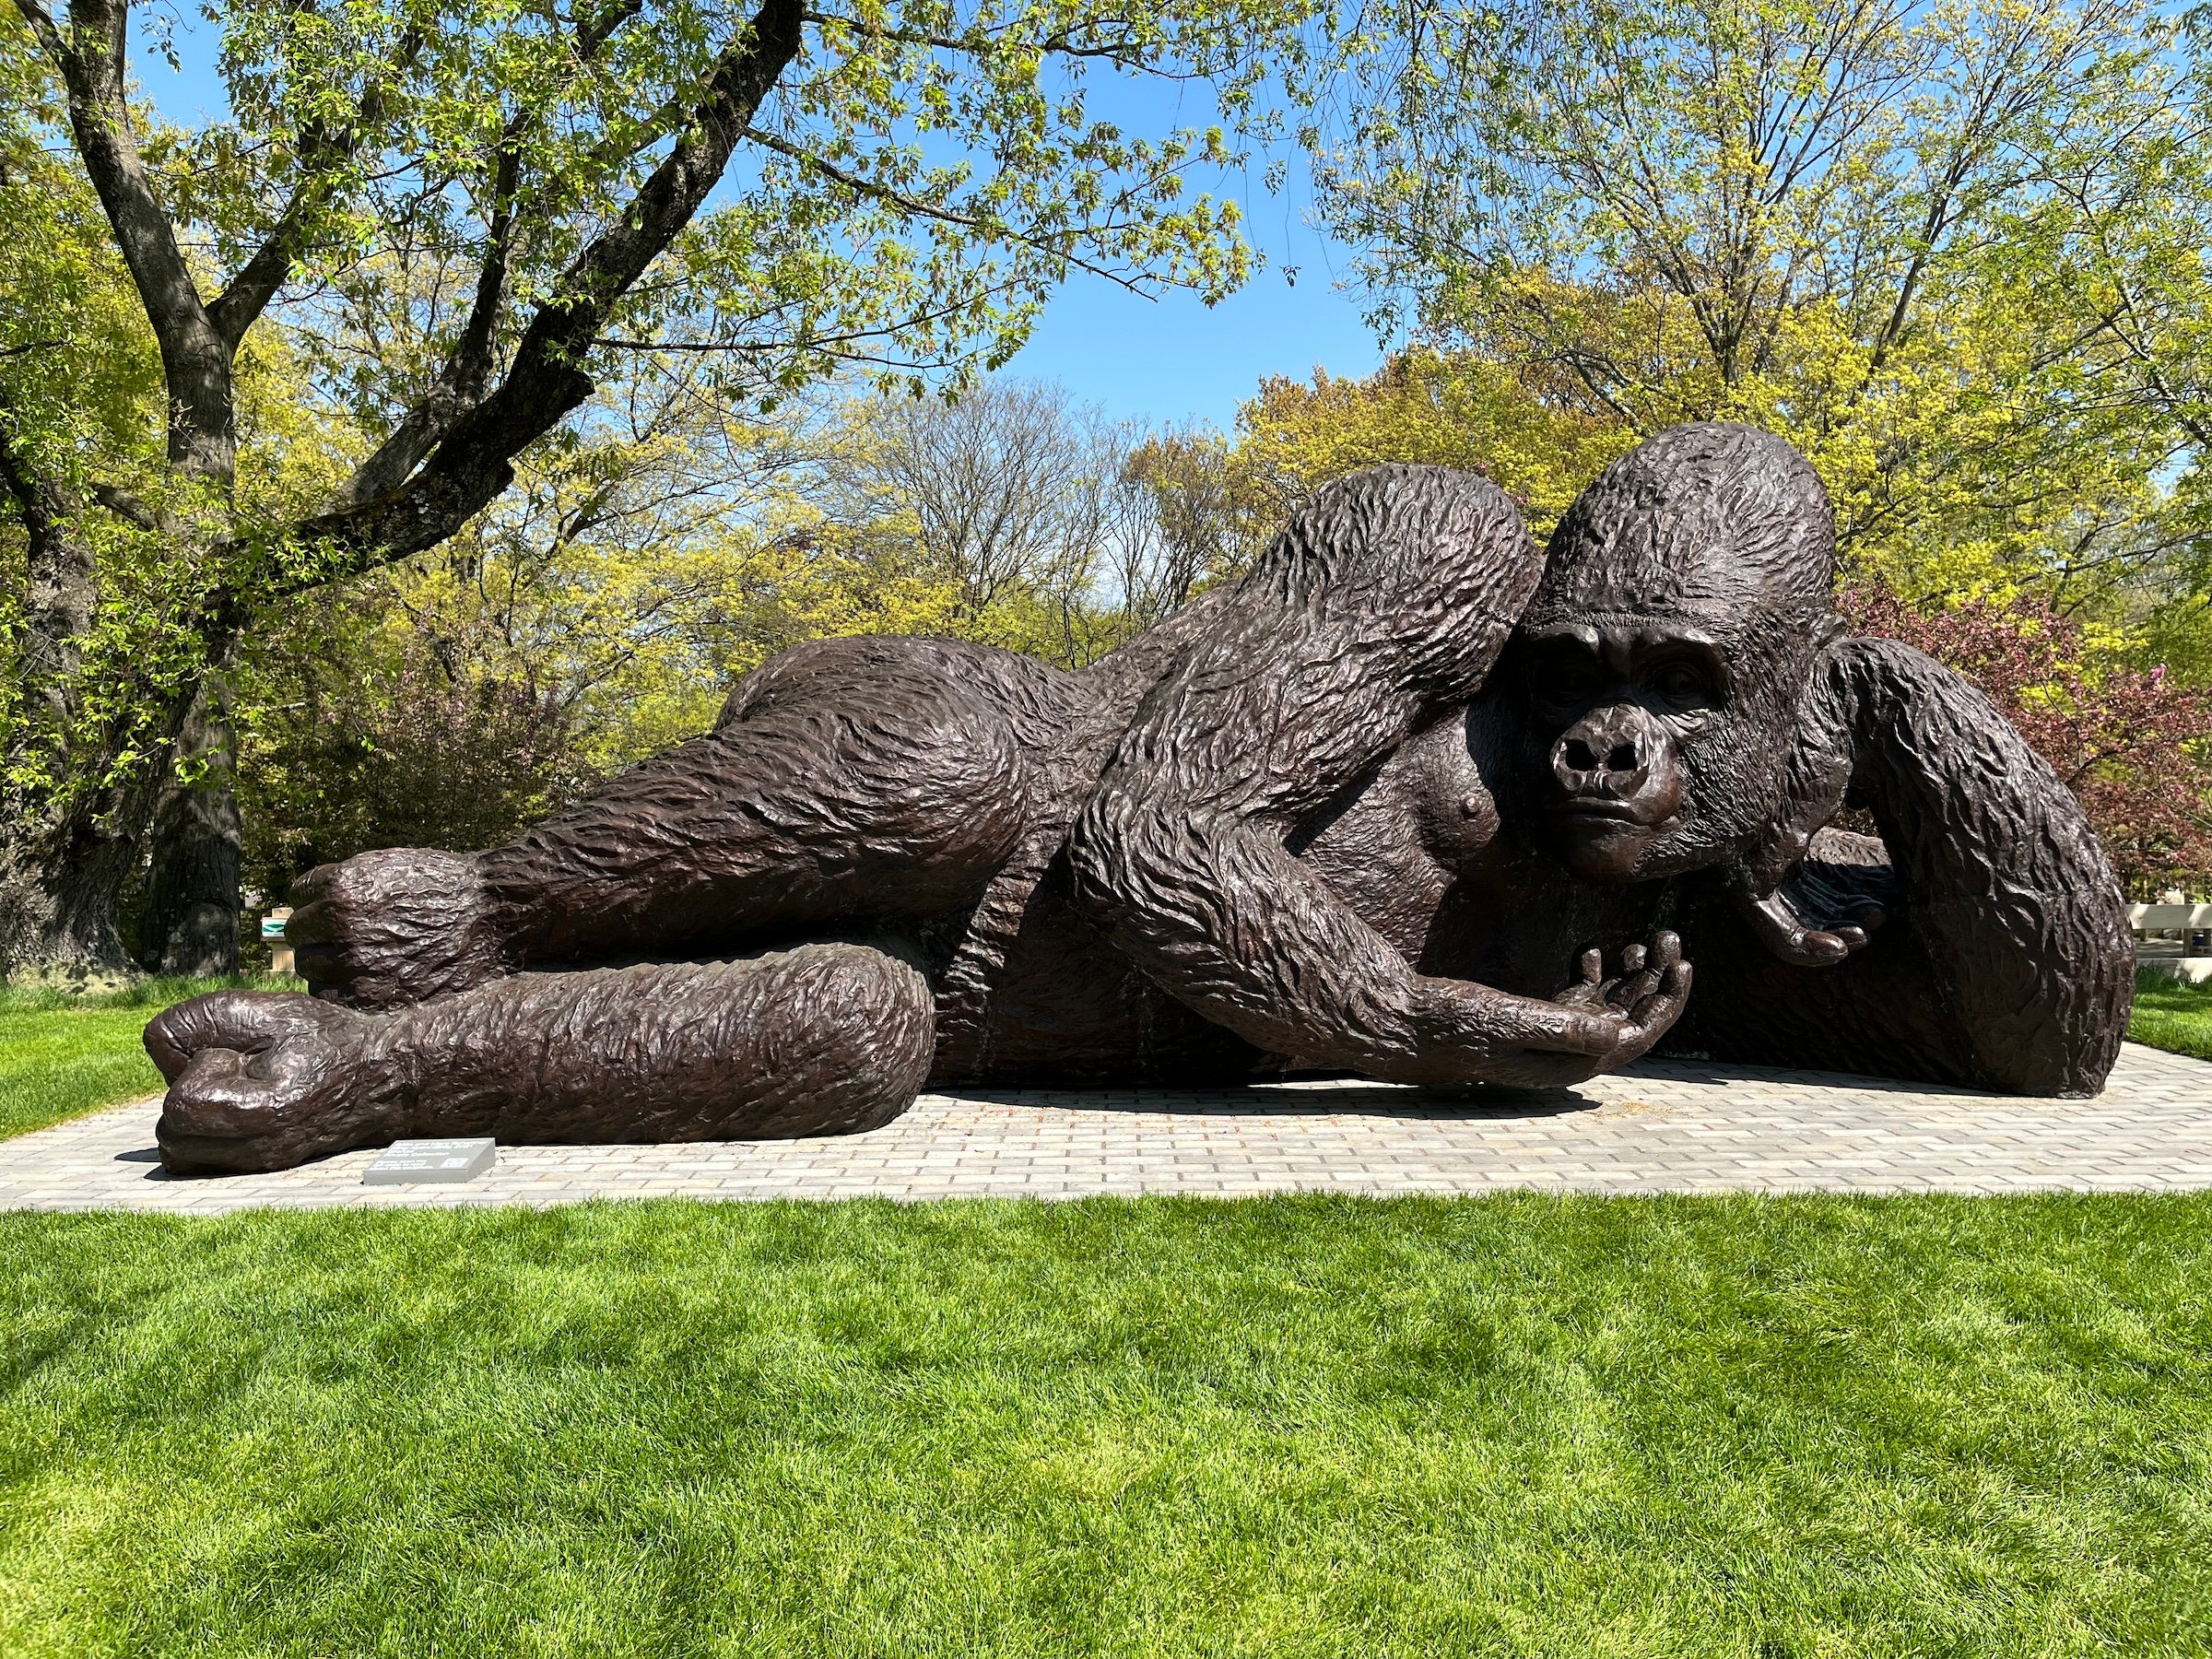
{"x": 1685, "y": 599}
{"x": 1661, "y": 738}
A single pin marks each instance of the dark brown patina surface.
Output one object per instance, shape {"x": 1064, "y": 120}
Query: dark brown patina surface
{"x": 1411, "y": 800}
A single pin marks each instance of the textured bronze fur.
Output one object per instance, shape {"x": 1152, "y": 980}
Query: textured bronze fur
{"x": 1410, "y": 801}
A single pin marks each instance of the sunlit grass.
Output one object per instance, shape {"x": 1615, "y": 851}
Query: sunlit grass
{"x": 2173, "y": 1016}
{"x": 1292, "y": 1427}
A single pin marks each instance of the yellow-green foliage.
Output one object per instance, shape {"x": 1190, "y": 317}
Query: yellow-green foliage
{"x": 1427, "y": 407}
{"x": 1956, "y": 253}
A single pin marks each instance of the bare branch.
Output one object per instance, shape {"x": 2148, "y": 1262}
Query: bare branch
{"x": 931, "y": 210}
{"x": 321, "y": 154}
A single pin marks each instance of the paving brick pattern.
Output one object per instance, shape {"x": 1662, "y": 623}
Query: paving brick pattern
{"x": 1660, "y": 1127}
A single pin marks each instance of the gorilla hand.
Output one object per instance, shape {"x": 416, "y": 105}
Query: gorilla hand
{"x": 1645, "y": 998}
{"x": 264, "y": 1080}
{"x": 1473, "y": 1033}
{"x": 1810, "y": 919}
{"x": 1799, "y": 917}
{"x": 394, "y": 928}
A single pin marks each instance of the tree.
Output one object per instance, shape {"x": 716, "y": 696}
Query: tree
{"x": 473, "y": 214}
{"x": 408, "y": 749}
{"x": 1001, "y": 488}
{"x": 1955, "y": 253}
{"x": 1051, "y": 528}
{"x": 1183, "y": 526}
{"x": 1511, "y": 421}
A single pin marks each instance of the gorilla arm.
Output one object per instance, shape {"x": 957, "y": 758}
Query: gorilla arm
{"x": 1388, "y": 600}
{"x": 2000, "y": 878}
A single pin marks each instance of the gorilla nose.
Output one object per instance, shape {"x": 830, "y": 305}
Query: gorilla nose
{"x": 1606, "y": 751}
{"x": 1581, "y": 759}
{"x": 1617, "y": 761}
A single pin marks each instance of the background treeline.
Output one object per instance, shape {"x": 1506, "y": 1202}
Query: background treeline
{"x": 485, "y": 468}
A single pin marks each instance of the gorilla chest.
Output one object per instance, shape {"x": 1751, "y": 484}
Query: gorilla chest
{"x": 1429, "y": 854}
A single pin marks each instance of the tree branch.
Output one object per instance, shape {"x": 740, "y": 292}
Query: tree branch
{"x": 473, "y": 463}
{"x": 321, "y": 153}
{"x": 922, "y": 209}
{"x": 128, "y": 508}
{"x": 194, "y": 360}
{"x": 460, "y": 383}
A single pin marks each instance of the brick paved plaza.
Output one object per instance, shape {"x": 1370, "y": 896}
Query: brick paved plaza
{"x": 1662, "y": 1127}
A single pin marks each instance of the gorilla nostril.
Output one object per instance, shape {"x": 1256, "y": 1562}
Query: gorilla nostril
{"x": 1578, "y": 755}
{"x": 1622, "y": 758}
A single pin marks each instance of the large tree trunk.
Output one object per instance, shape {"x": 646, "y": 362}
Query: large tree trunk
{"x": 190, "y": 921}
{"x": 59, "y": 883}
{"x": 62, "y": 859}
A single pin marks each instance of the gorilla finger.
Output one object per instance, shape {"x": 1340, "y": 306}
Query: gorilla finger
{"x": 1657, "y": 1012}
{"x": 1786, "y": 936}
{"x": 244, "y": 1021}
{"x": 1628, "y": 991}
{"x": 1853, "y": 937}
{"x": 1867, "y": 917}
{"x": 1821, "y": 947}
{"x": 315, "y": 923}
{"x": 1592, "y": 966}
{"x": 1631, "y": 958}
{"x": 1667, "y": 947}
{"x": 175, "y": 1035}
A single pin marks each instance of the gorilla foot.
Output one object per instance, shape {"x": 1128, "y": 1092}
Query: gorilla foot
{"x": 387, "y": 929}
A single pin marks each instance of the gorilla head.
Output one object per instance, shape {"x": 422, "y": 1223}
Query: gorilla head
{"x": 1686, "y": 599}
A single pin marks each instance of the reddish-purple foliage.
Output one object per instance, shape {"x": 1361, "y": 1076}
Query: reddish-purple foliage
{"x": 2132, "y": 746}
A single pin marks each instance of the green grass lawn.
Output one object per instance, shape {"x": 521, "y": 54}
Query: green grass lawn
{"x": 2171, "y": 1016}
{"x": 61, "y": 1055}
{"x": 1291, "y": 1427}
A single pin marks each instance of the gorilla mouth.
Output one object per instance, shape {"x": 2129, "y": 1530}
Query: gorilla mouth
{"x": 1601, "y": 809}
{"x": 1599, "y": 813}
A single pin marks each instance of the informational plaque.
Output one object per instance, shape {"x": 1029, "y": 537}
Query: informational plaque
{"x": 437, "y": 1161}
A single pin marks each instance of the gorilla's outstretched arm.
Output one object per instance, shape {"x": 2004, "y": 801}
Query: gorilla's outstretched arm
{"x": 820, "y": 1039}
{"x": 1386, "y": 601}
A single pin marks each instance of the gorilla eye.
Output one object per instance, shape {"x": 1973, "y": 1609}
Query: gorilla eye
{"x": 1682, "y": 684}
{"x": 1566, "y": 675}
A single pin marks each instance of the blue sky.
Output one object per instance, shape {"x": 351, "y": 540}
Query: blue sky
{"x": 1169, "y": 359}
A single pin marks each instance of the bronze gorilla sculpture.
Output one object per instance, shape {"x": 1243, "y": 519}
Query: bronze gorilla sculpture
{"x": 1364, "y": 810}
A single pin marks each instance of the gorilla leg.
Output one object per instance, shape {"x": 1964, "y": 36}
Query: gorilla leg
{"x": 820, "y": 1039}
{"x": 851, "y": 781}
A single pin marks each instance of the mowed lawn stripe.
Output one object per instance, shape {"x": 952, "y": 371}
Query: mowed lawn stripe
{"x": 1296, "y": 1426}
